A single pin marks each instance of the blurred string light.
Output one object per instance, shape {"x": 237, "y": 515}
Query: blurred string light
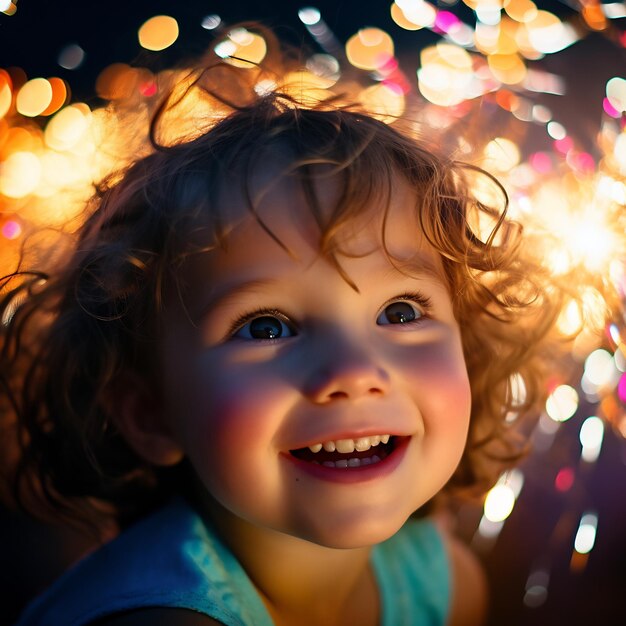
{"x": 312, "y": 19}
{"x": 536, "y": 591}
{"x": 586, "y": 534}
{"x": 498, "y": 505}
{"x": 591, "y": 436}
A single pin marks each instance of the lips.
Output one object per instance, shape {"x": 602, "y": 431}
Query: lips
{"x": 352, "y": 467}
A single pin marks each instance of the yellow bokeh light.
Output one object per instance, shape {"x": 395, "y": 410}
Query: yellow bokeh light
{"x": 385, "y": 102}
{"x": 158, "y": 33}
{"x": 6, "y": 97}
{"x": 19, "y": 174}
{"x": 507, "y": 68}
{"x": 590, "y": 240}
{"x": 547, "y": 33}
{"x": 486, "y": 38}
{"x": 570, "y": 320}
{"x": 34, "y": 97}
{"x": 118, "y": 81}
{"x": 485, "y": 4}
{"x": 562, "y": 403}
{"x": 445, "y": 74}
{"x": 413, "y": 14}
{"x": 59, "y": 96}
{"x": 370, "y": 49}
{"x": 7, "y": 7}
{"x": 499, "y": 503}
{"x": 501, "y": 154}
{"x": 305, "y": 87}
{"x": 619, "y": 152}
{"x": 520, "y": 10}
{"x": 242, "y": 48}
{"x": 67, "y": 127}
{"x": 57, "y": 170}
{"x": 398, "y": 16}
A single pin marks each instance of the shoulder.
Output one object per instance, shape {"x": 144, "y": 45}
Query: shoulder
{"x": 469, "y": 591}
{"x": 157, "y": 617}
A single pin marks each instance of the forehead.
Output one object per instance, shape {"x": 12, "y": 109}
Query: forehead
{"x": 274, "y": 209}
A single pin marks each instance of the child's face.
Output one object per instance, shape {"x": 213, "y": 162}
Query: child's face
{"x": 276, "y": 354}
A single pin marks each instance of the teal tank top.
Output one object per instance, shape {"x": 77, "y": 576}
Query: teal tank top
{"x": 172, "y": 559}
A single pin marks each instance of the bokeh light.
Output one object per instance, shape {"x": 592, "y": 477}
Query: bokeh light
{"x": 242, "y": 48}
{"x": 71, "y": 57}
{"x": 34, "y": 97}
{"x": 66, "y": 129}
{"x": 501, "y": 155}
{"x": 445, "y": 76}
{"x": 7, "y": 7}
{"x": 60, "y": 95}
{"x": 309, "y": 15}
{"x": 616, "y": 93}
{"x": 591, "y": 436}
{"x": 11, "y": 229}
{"x": 211, "y": 22}
{"x": 6, "y": 93}
{"x": 158, "y": 33}
{"x": 413, "y": 14}
{"x": 499, "y": 503}
{"x": 548, "y": 34}
{"x": 19, "y": 174}
{"x": 600, "y": 368}
{"x": 562, "y": 403}
{"x": 370, "y": 49}
{"x": 564, "y": 479}
{"x": 586, "y": 533}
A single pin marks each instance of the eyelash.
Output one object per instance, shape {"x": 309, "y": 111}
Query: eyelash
{"x": 242, "y": 320}
{"x": 423, "y": 302}
{"x": 416, "y": 297}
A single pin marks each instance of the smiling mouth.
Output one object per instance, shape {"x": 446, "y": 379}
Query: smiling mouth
{"x": 348, "y": 453}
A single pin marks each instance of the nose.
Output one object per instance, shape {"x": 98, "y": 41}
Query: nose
{"x": 347, "y": 373}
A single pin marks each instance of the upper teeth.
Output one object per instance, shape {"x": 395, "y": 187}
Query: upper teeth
{"x": 350, "y": 445}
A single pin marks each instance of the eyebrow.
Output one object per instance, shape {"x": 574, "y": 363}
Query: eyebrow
{"x": 417, "y": 267}
{"x": 227, "y": 293}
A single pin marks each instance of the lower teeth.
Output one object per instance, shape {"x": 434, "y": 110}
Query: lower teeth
{"x": 354, "y": 462}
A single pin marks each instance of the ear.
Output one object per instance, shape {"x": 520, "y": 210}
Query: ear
{"x": 139, "y": 417}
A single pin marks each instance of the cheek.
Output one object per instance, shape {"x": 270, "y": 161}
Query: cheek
{"x": 440, "y": 384}
{"x": 233, "y": 413}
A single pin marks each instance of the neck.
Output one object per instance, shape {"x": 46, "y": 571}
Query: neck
{"x": 300, "y": 582}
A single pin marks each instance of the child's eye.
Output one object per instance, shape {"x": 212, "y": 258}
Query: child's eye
{"x": 264, "y": 327}
{"x": 403, "y": 311}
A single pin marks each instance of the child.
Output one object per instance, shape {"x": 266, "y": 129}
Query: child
{"x": 270, "y": 346}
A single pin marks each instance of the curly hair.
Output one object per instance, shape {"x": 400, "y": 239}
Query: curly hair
{"x": 72, "y": 333}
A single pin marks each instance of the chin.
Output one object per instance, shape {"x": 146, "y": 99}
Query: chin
{"x": 359, "y": 531}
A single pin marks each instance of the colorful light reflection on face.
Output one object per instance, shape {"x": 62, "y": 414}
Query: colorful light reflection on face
{"x": 238, "y": 405}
